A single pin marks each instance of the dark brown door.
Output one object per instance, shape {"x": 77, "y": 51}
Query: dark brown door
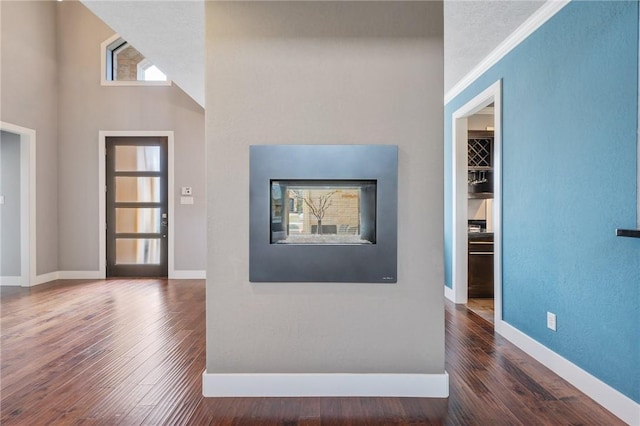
{"x": 137, "y": 215}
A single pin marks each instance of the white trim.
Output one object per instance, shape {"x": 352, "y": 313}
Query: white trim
{"x": 27, "y": 201}
{"x": 528, "y": 27}
{"x": 319, "y": 385}
{"x": 189, "y": 275}
{"x": 11, "y": 281}
{"x": 620, "y": 405}
{"x": 102, "y": 205}
{"x": 448, "y": 293}
{"x": 103, "y": 69}
{"x": 136, "y": 83}
{"x": 171, "y": 207}
{"x": 102, "y": 179}
{"x": 90, "y": 275}
{"x": 79, "y": 275}
{"x": 459, "y": 240}
{"x": 45, "y": 278}
{"x": 497, "y": 201}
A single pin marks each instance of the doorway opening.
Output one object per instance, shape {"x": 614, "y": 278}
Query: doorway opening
{"x": 23, "y": 203}
{"x": 136, "y": 205}
{"x": 477, "y": 220}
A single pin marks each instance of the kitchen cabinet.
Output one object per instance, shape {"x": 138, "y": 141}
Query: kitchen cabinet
{"x": 480, "y": 260}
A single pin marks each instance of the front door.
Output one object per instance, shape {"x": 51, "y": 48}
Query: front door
{"x": 137, "y": 216}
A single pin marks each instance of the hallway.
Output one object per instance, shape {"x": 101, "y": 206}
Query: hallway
{"x": 133, "y": 351}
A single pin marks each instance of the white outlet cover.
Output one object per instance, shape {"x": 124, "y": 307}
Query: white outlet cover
{"x": 551, "y": 321}
{"x": 186, "y": 200}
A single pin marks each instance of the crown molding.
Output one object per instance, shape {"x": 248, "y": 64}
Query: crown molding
{"x": 528, "y": 27}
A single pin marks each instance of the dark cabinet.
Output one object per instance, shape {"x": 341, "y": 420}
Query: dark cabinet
{"x": 480, "y": 265}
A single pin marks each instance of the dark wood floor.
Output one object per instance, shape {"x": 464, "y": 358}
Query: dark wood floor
{"x": 133, "y": 352}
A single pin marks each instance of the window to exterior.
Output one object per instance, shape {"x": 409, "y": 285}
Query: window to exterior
{"x": 124, "y": 65}
{"x": 148, "y": 72}
{"x": 323, "y": 212}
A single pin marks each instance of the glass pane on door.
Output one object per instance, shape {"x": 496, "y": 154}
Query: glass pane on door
{"x": 137, "y": 189}
{"x": 137, "y": 158}
{"x": 137, "y": 251}
{"x": 137, "y": 220}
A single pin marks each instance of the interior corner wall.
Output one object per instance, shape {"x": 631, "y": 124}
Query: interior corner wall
{"x": 569, "y": 162}
{"x": 325, "y": 73}
{"x": 29, "y": 98}
{"x": 86, "y": 107}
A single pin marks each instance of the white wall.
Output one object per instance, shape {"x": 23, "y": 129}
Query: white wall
{"x": 10, "y": 209}
{"x": 325, "y": 73}
{"x": 30, "y": 99}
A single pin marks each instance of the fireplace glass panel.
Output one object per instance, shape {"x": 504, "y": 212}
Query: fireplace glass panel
{"x": 333, "y": 212}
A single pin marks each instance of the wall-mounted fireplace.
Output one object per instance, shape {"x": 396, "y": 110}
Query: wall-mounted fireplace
{"x": 323, "y": 213}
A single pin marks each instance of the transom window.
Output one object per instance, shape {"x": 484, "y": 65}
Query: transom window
{"x": 123, "y": 64}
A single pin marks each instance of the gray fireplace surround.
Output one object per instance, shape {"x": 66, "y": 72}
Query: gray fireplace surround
{"x": 373, "y": 262}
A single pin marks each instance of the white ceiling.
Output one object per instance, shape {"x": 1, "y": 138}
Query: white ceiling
{"x": 171, "y": 34}
{"x": 168, "y": 33}
{"x": 472, "y": 29}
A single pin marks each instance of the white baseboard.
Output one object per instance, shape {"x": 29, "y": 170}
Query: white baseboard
{"x": 620, "y": 405}
{"x": 95, "y": 275}
{"x": 321, "y": 385}
{"x": 66, "y": 275}
{"x": 187, "y": 275}
{"x": 45, "y": 278}
{"x": 11, "y": 281}
{"x": 449, "y": 294}
{"x": 78, "y": 275}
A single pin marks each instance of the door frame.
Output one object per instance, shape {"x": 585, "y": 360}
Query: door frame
{"x": 459, "y": 131}
{"x": 102, "y": 202}
{"x": 28, "y": 251}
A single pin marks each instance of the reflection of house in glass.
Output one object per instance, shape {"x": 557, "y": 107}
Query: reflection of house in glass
{"x": 323, "y": 212}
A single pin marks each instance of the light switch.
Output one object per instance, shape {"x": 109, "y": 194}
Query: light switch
{"x": 186, "y": 200}
{"x": 1, "y": 199}
{"x": 187, "y": 190}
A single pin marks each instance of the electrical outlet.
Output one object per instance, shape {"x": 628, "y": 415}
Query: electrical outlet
{"x": 551, "y": 321}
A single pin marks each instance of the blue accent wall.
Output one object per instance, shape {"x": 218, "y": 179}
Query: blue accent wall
{"x": 570, "y": 111}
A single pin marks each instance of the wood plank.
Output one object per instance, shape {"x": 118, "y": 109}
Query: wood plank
{"x": 133, "y": 351}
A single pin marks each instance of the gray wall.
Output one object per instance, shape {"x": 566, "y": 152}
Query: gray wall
{"x": 10, "y": 210}
{"x": 87, "y": 107}
{"x": 30, "y": 99}
{"x": 51, "y": 83}
{"x": 325, "y": 73}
